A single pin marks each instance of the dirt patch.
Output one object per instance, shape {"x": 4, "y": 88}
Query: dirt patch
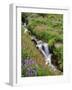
{"x": 41, "y": 27}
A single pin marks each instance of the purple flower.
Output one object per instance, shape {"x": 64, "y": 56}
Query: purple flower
{"x": 30, "y": 67}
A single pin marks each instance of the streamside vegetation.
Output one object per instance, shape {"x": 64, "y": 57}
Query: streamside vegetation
{"x": 49, "y": 29}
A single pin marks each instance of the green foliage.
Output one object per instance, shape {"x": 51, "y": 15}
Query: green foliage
{"x": 58, "y": 54}
{"x": 25, "y": 54}
{"x": 51, "y": 42}
{"x": 44, "y": 71}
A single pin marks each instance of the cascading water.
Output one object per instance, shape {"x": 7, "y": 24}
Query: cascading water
{"x": 46, "y": 49}
{"x": 25, "y": 29}
{"x": 43, "y": 47}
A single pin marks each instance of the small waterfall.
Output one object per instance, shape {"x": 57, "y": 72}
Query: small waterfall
{"x": 48, "y": 55}
{"x": 24, "y": 24}
{"x": 25, "y": 29}
{"x": 46, "y": 49}
{"x": 43, "y": 47}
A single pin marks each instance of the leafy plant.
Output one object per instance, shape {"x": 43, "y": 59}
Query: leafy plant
{"x": 58, "y": 55}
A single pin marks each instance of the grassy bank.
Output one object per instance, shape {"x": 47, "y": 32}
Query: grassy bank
{"x": 29, "y": 51}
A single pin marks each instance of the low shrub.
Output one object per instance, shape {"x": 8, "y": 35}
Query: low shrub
{"x": 58, "y": 55}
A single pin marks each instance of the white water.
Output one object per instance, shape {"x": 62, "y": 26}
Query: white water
{"x": 25, "y": 29}
{"x": 43, "y": 47}
{"x": 46, "y": 49}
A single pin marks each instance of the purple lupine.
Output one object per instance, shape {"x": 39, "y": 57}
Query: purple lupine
{"x": 27, "y": 65}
